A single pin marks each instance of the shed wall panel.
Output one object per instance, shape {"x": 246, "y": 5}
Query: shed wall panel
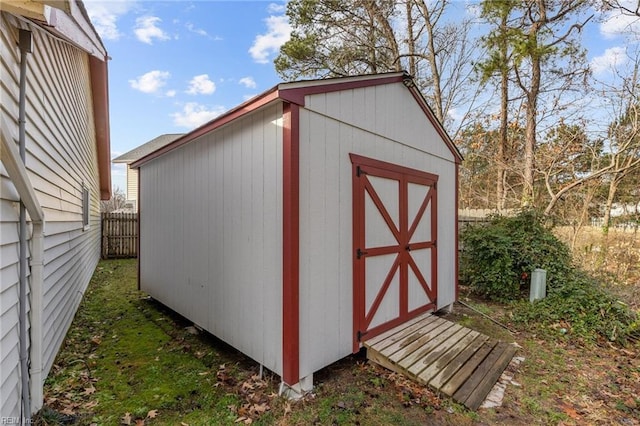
{"x": 211, "y": 233}
{"x": 61, "y": 158}
{"x": 366, "y": 122}
{"x": 387, "y": 110}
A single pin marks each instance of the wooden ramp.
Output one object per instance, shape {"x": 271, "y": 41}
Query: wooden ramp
{"x": 455, "y": 360}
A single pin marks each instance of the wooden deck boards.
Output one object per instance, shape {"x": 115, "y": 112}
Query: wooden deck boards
{"x": 457, "y": 361}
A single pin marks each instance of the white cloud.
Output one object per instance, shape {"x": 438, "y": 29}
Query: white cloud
{"x": 455, "y": 114}
{"x": 150, "y": 82}
{"x": 170, "y": 93}
{"x": 201, "y": 85}
{"x": 194, "y": 114}
{"x": 192, "y": 28}
{"x": 104, "y": 16}
{"x": 278, "y": 33}
{"x": 277, "y": 7}
{"x": 615, "y": 23}
{"x": 611, "y": 59}
{"x": 248, "y": 82}
{"x": 147, "y": 29}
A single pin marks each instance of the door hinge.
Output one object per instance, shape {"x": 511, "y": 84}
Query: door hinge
{"x": 360, "y": 335}
{"x": 435, "y": 185}
{"x": 359, "y": 171}
{"x": 360, "y": 253}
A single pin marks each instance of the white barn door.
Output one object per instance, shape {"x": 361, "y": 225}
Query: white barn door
{"x": 394, "y": 245}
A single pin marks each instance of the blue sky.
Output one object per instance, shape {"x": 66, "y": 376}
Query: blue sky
{"x": 178, "y": 64}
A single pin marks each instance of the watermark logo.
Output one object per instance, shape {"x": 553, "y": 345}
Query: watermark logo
{"x": 14, "y": 421}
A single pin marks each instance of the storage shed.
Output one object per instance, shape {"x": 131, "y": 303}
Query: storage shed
{"x": 308, "y": 219}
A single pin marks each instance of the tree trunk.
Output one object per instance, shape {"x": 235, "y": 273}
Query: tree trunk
{"x": 431, "y": 56}
{"x": 530, "y": 142}
{"x": 529, "y": 152}
{"x": 504, "y": 122}
{"x": 613, "y": 187}
{"x": 411, "y": 40}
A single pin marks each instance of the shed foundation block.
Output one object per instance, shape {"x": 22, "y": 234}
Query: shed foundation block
{"x": 298, "y": 390}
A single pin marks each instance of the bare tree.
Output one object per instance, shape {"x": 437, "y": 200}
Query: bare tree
{"x": 568, "y": 160}
{"x": 626, "y": 8}
{"x": 334, "y": 38}
{"x": 117, "y": 201}
{"x": 624, "y": 132}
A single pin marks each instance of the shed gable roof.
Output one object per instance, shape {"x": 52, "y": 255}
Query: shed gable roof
{"x": 295, "y": 92}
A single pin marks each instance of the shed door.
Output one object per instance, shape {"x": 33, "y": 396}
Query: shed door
{"x": 394, "y": 242}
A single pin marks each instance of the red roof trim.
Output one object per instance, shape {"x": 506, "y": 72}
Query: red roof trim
{"x": 220, "y": 121}
{"x": 100, "y": 90}
{"x": 291, "y": 244}
{"x": 296, "y": 95}
{"x": 436, "y": 123}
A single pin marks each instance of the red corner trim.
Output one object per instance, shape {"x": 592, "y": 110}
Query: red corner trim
{"x": 457, "y": 252}
{"x": 100, "y": 90}
{"x": 291, "y": 245}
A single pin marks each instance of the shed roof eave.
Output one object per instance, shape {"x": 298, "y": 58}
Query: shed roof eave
{"x": 266, "y": 98}
{"x": 295, "y": 92}
{"x": 419, "y": 97}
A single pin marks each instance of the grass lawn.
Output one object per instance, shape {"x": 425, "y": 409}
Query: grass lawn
{"x": 129, "y": 360}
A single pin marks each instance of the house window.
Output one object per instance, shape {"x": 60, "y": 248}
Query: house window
{"x": 85, "y": 207}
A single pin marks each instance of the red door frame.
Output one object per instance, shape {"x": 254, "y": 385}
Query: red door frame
{"x": 362, "y": 166}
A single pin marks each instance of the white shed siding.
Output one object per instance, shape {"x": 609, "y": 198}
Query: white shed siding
{"x": 333, "y": 125}
{"x": 61, "y": 157}
{"x": 211, "y": 233}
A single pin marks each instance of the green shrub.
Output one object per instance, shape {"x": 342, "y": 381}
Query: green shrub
{"x": 497, "y": 261}
{"x": 583, "y": 308}
{"x": 498, "y": 257}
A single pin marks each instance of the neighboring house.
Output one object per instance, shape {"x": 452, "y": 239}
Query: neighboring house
{"x": 46, "y": 265}
{"x": 313, "y": 217}
{"x": 134, "y": 155}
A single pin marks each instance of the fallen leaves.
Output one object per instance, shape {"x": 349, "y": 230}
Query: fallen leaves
{"x": 127, "y": 419}
{"x": 224, "y": 377}
{"x": 412, "y": 393}
{"x": 570, "y": 411}
{"x": 256, "y": 401}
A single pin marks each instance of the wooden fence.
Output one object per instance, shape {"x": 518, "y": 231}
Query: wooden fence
{"x": 119, "y": 235}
